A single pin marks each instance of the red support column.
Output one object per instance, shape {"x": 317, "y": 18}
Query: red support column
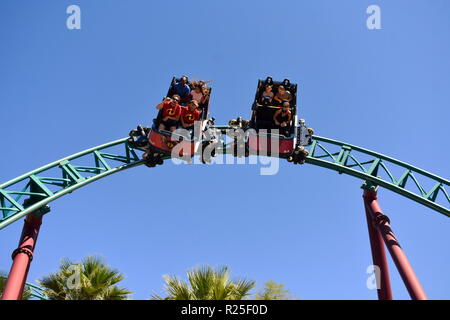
{"x": 22, "y": 258}
{"x": 404, "y": 267}
{"x": 379, "y": 259}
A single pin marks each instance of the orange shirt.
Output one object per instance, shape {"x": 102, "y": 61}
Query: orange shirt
{"x": 189, "y": 116}
{"x": 171, "y": 111}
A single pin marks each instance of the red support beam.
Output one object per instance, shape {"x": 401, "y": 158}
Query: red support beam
{"x": 22, "y": 258}
{"x": 382, "y": 223}
{"x": 379, "y": 259}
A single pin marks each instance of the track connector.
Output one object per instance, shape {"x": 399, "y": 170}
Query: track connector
{"x": 368, "y": 185}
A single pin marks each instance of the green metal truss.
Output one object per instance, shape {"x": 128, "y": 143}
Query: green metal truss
{"x": 61, "y": 177}
{"x": 379, "y": 170}
{"x": 36, "y": 292}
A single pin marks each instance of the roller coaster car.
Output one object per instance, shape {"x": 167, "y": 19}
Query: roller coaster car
{"x": 291, "y": 142}
{"x": 161, "y": 142}
{"x": 262, "y": 118}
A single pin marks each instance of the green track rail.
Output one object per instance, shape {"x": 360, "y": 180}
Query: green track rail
{"x": 379, "y": 170}
{"x": 61, "y": 177}
{"x": 36, "y": 292}
{"x": 43, "y": 185}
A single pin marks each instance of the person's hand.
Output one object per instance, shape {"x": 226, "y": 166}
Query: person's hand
{"x": 166, "y": 99}
{"x": 165, "y": 118}
{"x": 283, "y": 124}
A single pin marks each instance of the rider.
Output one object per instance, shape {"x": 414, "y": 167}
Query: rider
{"x": 267, "y": 95}
{"x": 189, "y": 115}
{"x": 182, "y": 89}
{"x": 282, "y": 95}
{"x": 282, "y": 118}
{"x": 199, "y": 93}
{"x": 171, "y": 112}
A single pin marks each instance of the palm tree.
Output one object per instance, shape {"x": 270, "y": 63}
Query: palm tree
{"x": 91, "y": 279}
{"x": 273, "y": 291}
{"x": 3, "y": 277}
{"x": 206, "y": 283}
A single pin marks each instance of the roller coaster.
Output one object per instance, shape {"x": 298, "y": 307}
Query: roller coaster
{"x": 28, "y": 196}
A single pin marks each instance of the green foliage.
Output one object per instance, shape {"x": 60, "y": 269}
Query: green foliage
{"x": 91, "y": 279}
{"x": 206, "y": 283}
{"x": 273, "y": 291}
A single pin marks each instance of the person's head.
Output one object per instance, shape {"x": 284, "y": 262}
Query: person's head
{"x": 193, "y": 104}
{"x": 281, "y": 89}
{"x": 175, "y": 100}
{"x": 286, "y": 106}
{"x": 183, "y": 80}
{"x": 268, "y": 88}
{"x": 198, "y": 89}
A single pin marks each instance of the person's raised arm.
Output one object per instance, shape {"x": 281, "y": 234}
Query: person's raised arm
{"x": 160, "y": 105}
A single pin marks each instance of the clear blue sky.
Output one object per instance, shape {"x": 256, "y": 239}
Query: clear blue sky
{"x": 62, "y": 91}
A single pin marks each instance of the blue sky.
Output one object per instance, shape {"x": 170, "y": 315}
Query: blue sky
{"x": 63, "y": 91}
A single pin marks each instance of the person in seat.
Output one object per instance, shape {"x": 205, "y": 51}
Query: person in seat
{"x": 171, "y": 112}
{"x": 282, "y": 95}
{"x": 182, "y": 89}
{"x": 282, "y": 119}
{"x": 267, "y": 95}
{"x": 189, "y": 115}
{"x": 199, "y": 93}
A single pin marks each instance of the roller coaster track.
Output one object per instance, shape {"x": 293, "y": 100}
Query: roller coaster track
{"x": 35, "y": 292}
{"x": 43, "y": 185}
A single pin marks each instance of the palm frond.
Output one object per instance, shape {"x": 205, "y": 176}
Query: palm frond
{"x": 177, "y": 289}
{"x": 205, "y": 283}
{"x": 94, "y": 281}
